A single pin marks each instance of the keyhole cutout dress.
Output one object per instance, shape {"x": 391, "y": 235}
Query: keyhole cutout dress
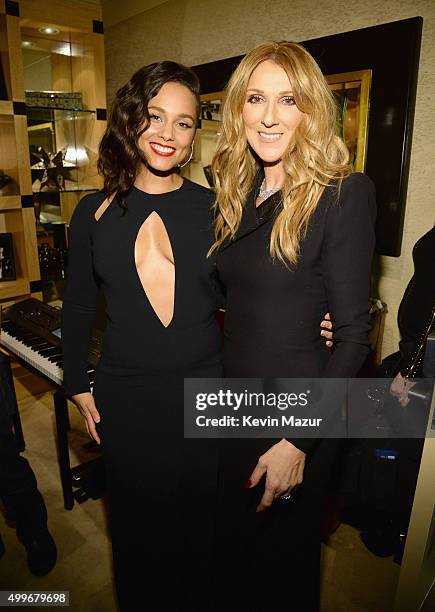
{"x": 161, "y": 327}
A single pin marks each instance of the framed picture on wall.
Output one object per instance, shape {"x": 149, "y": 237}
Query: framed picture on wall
{"x": 7, "y": 261}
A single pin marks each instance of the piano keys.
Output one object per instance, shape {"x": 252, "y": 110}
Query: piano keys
{"x": 30, "y": 330}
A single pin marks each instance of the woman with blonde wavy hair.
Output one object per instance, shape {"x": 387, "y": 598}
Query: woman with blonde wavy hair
{"x": 294, "y": 237}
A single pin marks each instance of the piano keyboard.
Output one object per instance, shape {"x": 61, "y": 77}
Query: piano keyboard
{"x": 30, "y": 331}
{"x": 33, "y": 350}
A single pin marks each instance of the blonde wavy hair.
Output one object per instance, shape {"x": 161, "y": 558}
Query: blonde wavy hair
{"x": 316, "y": 156}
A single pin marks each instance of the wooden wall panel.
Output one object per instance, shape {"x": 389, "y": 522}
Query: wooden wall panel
{"x": 61, "y": 72}
{"x": 88, "y": 69}
{"x": 4, "y": 52}
{"x": 10, "y": 202}
{"x": 15, "y": 58}
{"x": 76, "y": 15}
{"x": 8, "y": 155}
{"x": 23, "y": 157}
{"x": 31, "y": 247}
{"x": 12, "y": 221}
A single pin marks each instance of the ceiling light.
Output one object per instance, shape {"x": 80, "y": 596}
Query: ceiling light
{"x": 27, "y": 43}
{"x": 48, "y": 30}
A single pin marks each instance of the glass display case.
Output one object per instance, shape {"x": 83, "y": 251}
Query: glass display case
{"x": 18, "y": 261}
{"x": 52, "y": 109}
{"x": 62, "y": 127}
{"x": 64, "y": 92}
{"x": 61, "y": 155}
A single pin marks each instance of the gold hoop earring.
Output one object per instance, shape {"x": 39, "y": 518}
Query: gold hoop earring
{"x": 190, "y": 157}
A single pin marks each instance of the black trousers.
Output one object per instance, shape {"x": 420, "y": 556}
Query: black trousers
{"x": 18, "y": 487}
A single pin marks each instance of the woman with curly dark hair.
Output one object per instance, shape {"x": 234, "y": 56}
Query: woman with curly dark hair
{"x": 144, "y": 241}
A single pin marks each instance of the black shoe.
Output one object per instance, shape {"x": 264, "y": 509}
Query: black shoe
{"x": 2, "y": 548}
{"x": 41, "y": 553}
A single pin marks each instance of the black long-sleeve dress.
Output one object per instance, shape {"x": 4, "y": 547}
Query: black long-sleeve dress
{"x": 161, "y": 489}
{"x": 272, "y": 330}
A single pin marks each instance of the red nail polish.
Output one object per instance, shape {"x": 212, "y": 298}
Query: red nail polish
{"x": 248, "y": 484}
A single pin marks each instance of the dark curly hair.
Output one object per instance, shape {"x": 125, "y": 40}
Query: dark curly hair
{"x": 119, "y": 153}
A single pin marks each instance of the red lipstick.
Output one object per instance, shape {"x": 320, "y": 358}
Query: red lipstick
{"x": 167, "y": 153}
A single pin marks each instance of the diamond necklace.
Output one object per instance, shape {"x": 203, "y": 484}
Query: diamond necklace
{"x": 266, "y": 193}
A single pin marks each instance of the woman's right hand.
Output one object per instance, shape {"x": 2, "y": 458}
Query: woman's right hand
{"x": 86, "y": 404}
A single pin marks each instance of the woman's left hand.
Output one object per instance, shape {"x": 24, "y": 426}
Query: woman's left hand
{"x": 283, "y": 465}
{"x": 327, "y": 330}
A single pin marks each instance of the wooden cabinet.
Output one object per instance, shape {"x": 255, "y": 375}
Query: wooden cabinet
{"x": 16, "y": 201}
{"x": 71, "y": 60}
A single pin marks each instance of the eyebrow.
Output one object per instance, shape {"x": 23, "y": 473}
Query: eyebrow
{"x": 281, "y": 93}
{"x": 181, "y": 115}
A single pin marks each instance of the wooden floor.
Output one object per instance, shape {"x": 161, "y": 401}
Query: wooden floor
{"x": 353, "y": 580}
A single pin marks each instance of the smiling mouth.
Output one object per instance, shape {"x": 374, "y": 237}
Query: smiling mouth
{"x": 161, "y": 149}
{"x": 268, "y": 137}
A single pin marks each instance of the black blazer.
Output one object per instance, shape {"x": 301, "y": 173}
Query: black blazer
{"x": 273, "y": 312}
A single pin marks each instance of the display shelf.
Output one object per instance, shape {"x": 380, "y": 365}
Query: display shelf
{"x": 66, "y": 136}
{"x": 53, "y": 197}
{"x": 72, "y": 133}
{"x": 8, "y": 155}
{"x": 6, "y": 107}
{"x": 15, "y": 219}
{"x": 14, "y": 289}
{"x": 59, "y": 204}
{"x": 10, "y": 202}
{"x": 71, "y": 62}
{"x": 68, "y": 202}
{"x": 12, "y": 222}
{"x": 80, "y": 189}
{"x": 72, "y": 111}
